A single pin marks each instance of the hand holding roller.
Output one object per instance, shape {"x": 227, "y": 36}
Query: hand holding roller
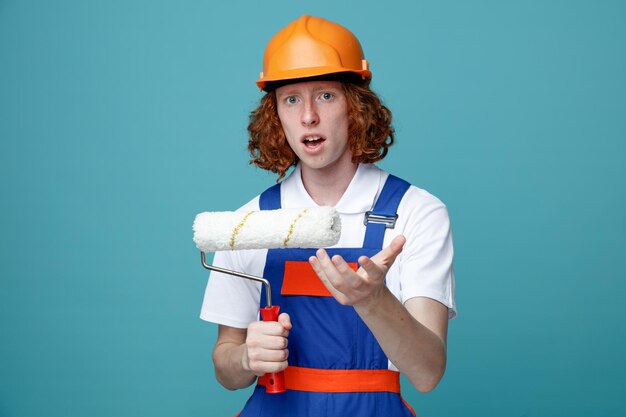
{"x": 313, "y": 227}
{"x": 276, "y": 380}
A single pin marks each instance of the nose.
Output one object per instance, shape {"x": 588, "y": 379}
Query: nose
{"x": 309, "y": 114}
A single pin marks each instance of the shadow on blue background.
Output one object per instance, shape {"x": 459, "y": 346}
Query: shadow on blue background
{"x": 119, "y": 121}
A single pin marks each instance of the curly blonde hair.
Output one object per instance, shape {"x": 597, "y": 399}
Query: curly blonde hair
{"x": 370, "y": 133}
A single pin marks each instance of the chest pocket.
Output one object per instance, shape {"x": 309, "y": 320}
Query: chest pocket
{"x": 301, "y": 279}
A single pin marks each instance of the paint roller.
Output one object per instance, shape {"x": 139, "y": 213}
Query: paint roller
{"x": 313, "y": 227}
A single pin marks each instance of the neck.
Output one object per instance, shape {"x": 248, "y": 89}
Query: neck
{"x": 326, "y": 186}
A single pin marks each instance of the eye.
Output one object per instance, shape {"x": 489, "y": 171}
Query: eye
{"x": 327, "y": 96}
{"x": 291, "y": 100}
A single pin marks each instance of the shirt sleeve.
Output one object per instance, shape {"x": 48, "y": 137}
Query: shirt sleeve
{"x": 426, "y": 265}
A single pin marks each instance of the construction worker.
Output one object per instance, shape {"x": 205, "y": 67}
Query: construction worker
{"x": 375, "y": 305}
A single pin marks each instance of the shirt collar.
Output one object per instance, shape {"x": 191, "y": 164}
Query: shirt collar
{"x": 359, "y": 197}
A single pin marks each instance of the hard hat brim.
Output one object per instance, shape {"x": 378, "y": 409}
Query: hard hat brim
{"x": 304, "y": 73}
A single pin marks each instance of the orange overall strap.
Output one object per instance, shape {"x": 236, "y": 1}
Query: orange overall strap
{"x": 339, "y": 380}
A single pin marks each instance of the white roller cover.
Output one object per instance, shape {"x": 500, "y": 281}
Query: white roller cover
{"x": 314, "y": 227}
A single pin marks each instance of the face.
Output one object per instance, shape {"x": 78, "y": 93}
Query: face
{"x": 314, "y": 117}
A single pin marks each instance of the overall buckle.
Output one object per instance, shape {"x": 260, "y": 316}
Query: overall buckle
{"x": 388, "y": 221}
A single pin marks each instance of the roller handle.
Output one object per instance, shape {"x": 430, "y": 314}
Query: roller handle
{"x": 275, "y": 381}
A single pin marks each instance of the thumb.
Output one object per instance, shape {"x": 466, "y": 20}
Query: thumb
{"x": 285, "y": 321}
{"x": 388, "y": 255}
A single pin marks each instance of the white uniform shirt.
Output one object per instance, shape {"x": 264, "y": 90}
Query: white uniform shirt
{"x": 423, "y": 269}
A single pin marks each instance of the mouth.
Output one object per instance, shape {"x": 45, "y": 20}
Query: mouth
{"x": 312, "y": 141}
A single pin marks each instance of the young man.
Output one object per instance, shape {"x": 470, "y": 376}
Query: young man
{"x": 388, "y": 285}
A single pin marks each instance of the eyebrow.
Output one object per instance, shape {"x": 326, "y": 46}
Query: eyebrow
{"x": 285, "y": 93}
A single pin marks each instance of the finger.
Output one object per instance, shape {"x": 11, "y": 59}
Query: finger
{"x": 347, "y": 275}
{"x": 342, "y": 266}
{"x": 332, "y": 267}
{"x": 274, "y": 343}
{"x": 266, "y": 343}
{"x": 336, "y": 269}
{"x": 321, "y": 274}
{"x": 261, "y": 359}
{"x": 317, "y": 267}
{"x": 388, "y": 255}
{"x": 397, "y": 244}
{"x": 323, "y": 258}
{"x": 285, "y": 321}
{"x": 269, "y": 328}
{"x": 326, "y": 267}
{"x": 270, "y": 367}
{"x": 373, "y": 270}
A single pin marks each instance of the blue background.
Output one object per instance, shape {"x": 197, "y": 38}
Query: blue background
{"x": 120, "y": 120}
